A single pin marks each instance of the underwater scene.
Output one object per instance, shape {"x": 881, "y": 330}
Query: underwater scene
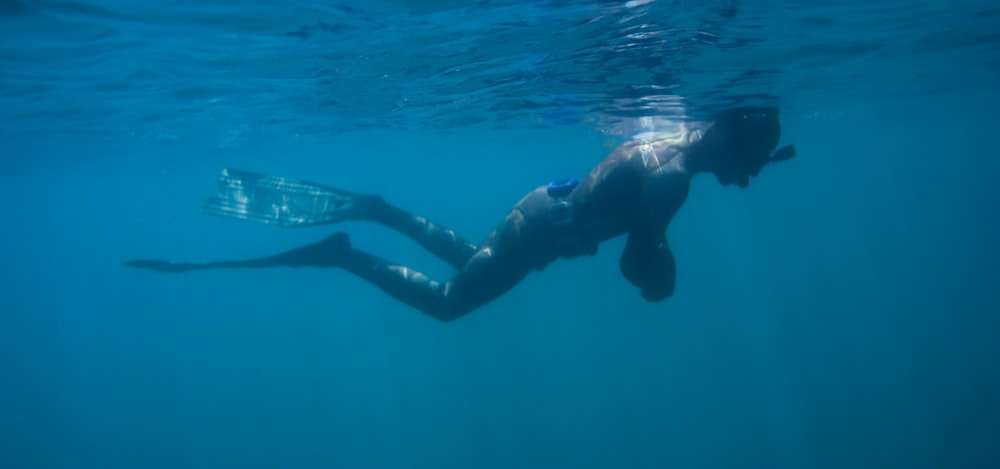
{"x": 499, "y": 234}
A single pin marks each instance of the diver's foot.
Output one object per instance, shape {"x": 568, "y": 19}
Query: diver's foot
{"x": 328, "y": 252}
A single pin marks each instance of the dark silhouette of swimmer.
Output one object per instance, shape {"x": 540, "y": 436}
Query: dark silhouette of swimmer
{"x": 636, "y": 191}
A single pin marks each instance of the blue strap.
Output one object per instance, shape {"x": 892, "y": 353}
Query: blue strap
{"x": 562, "y": 187}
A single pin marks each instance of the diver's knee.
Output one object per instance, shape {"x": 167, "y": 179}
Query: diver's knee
{"x": 450, "y": 313}
{"x": 453, "y": 306}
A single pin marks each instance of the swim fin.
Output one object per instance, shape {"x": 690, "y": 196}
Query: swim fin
{"x": 331, "y": 251}
{"x": 279, "y": 201}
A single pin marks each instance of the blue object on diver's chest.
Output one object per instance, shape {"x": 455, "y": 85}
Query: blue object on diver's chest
{"x": 561, "y": 222}
{"x": 562, "y": 187}
{"x": 561, "y": 210}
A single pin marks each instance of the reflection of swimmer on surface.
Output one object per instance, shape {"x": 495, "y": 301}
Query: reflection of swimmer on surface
{"x": 636, "y": 190}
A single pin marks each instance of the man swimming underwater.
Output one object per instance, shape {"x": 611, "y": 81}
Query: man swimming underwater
{"x": 636, "y": 190}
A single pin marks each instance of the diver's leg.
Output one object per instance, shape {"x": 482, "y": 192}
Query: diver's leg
{"x": 489, "y": 273}
{"x": 328, "y": 252}
{"x": 500, "y": 263}
{"x": 484, "y": 278}
{"x": 290, "y": 202}
{"x": 438, "y": 240}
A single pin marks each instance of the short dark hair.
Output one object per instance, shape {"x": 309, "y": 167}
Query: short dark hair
{"x": 751, "y": 131}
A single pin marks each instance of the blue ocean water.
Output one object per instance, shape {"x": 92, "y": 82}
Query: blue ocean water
{"x": 840, "y": 312}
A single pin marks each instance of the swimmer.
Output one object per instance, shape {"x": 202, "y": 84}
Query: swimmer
{"x": 635, "y": 191}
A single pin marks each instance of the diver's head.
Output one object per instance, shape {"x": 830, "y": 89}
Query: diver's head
{"x": 741, "y": 141}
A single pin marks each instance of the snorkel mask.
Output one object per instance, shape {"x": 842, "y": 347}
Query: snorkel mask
{"x": 784, "y": 153}
{"x": 752, "y": 132}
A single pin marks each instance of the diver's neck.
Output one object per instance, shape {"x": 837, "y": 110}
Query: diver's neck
{"x": 696, "y": 158}
{"x": 698, "y": 154}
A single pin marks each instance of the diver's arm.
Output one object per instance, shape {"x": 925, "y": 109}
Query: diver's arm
{"x": 647, "y": 261}
{"x": 648, "y": 264}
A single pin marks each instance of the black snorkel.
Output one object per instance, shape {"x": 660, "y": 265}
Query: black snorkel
{"x": 784, "y": 153}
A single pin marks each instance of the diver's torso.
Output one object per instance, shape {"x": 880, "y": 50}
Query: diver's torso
{"x": 609, "y": 202}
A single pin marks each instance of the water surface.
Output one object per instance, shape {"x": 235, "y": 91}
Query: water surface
{"x": 841, "y": 312}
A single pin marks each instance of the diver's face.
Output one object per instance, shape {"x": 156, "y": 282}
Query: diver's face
{"x": 728, "y": 177}
{"x": 737, "y": 169}
{"x": 746, "y": 137}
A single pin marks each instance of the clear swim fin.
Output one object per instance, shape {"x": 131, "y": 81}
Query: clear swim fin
{"x": 279, "y": 201}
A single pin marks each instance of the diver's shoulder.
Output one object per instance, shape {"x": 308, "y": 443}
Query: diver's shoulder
{"x": 680, "y": 134}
